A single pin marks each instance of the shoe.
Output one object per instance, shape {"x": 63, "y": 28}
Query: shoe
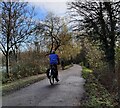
{"x": 57, "y": 80}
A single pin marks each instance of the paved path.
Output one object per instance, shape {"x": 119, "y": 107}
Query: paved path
{"x": 67, "y": 92}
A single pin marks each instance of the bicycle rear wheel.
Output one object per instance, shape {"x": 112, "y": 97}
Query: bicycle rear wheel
{"x": 51, "y": 79}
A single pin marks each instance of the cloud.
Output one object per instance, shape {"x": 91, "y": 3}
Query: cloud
{"x": 48, "y": 0}
{"x": 58, "y": 7}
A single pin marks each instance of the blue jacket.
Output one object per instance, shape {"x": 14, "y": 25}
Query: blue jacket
{"x": 54, "y": 59}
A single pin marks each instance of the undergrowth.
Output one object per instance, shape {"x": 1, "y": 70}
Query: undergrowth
{"x": 96, "y": 96}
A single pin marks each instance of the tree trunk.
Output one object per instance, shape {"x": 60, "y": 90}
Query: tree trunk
{"x": 7, "y": 64}
{"x": 111, "y": 64}
{"x": 110, "y": 59}
{"x": 118, "y": 81}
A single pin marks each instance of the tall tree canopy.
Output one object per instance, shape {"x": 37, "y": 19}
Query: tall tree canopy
{"x": 100, "y": 21}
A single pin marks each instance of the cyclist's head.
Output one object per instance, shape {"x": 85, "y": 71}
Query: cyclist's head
{"x": 52, "y": 52}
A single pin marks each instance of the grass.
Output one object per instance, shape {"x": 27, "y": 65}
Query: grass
{"x": 96, "y": 95}
{"x": 68, "y": 66}
{"x": 7, "y": 88}
{"x": 86, "y": 72}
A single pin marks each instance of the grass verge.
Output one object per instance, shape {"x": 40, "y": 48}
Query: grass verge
{"x": 96, "y": 95}
{"x": 10, "y": 87}
{"x": 68, "y": 66}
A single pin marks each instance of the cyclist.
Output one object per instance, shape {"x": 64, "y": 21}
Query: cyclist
{"x": 54, "y": 61}
{"x": 62, "y": 64}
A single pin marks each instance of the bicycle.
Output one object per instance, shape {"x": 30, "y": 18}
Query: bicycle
{"x": 52, "y": 74}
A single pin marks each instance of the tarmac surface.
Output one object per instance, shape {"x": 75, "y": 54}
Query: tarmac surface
{"x": 67, "y": 92}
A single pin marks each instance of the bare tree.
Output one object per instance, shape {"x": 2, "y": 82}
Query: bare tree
{"x": 17, "y": 26}
{"x": 53, "y": 31}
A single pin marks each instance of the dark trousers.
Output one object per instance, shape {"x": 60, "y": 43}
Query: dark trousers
{"x": 55, "y": 67}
